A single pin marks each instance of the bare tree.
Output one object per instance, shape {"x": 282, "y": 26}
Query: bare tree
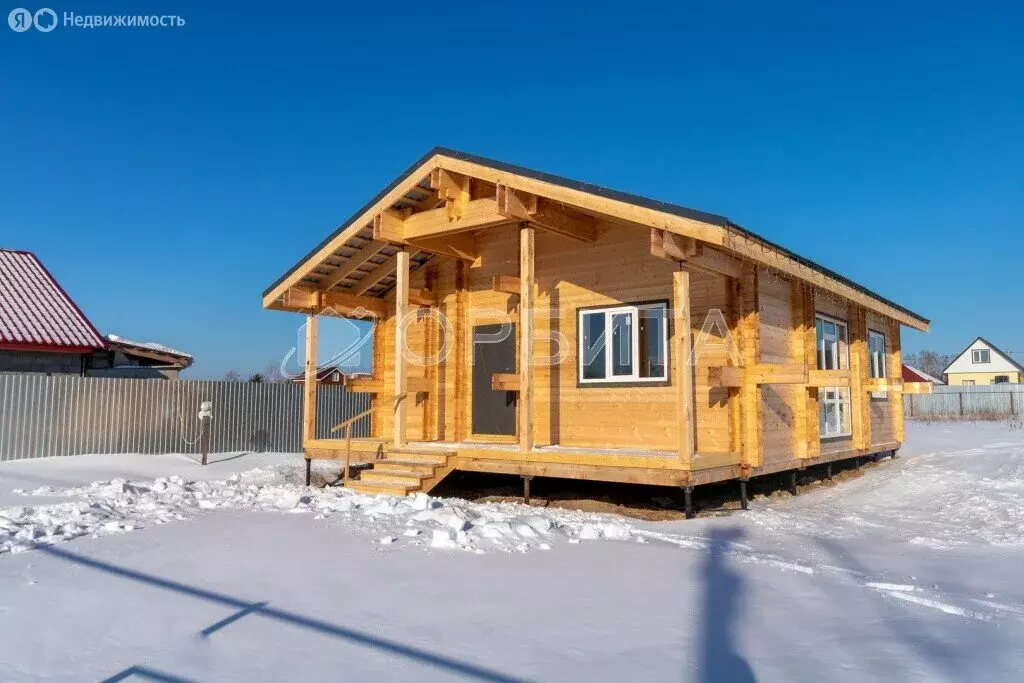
{"x": 929, "y": 362}
{"x": 232, "y": 376}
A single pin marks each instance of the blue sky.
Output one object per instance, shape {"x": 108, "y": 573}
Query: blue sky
{"x": 168, "y": 176}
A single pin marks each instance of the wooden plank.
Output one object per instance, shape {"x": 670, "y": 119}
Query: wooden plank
{"x": 799, "y": 354}
{"x": 546, "y": 215}
{"x": 401, "y": 399}
{"x": 302, "y": 299}
{"x": 379, "y": 273}
{"x": 527, "y": 240}
{"x": 461, "y": 394}
{"x": 828, "y": 378}
{"x": 505, "y": 381}
{"x": 350, "y": 265}
{"x": 776, "y": 373}
{"x": 365, "y": 385}
{"x": 860, "y": 405}
{"x": 682, "y": 351}
{"x": 886, "y": 384}
{"x": 917, "y": 387}
{"x": 507, "y": 284}
{"x": 896, "y": 373}
{"x": 714, "y": 261}
{"x": 810, "y": 341}
{"x": 422, "y": 297}
{"x": 477, "y": 214}
{"x": 389, "y": 226}
{"x": 750, "y": 349}
{"x": 460, "y": 246}
{"x": 725, "y": 376}
{"x": 309, "y": 384}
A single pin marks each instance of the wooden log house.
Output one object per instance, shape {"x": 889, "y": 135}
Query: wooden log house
{"x": 561, "y": 329}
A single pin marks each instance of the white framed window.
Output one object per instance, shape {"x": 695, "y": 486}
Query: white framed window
{"x": 1001, "y": 379}
{"x": 981, "y": 355}
{"x": 968, "y": 382}
{"x": 876, "y": 354}
{"x": 623, "y": 344}
{"x": 336, "y": 377}
{"x": 833, "y": 354}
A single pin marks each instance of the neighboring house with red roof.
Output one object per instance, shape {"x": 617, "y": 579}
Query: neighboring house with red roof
{"x": 912, "y": 374}
{"x": 43, "y": 330}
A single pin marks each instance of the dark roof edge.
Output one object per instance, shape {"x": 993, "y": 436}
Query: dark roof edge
{"x": 637, "y": 200}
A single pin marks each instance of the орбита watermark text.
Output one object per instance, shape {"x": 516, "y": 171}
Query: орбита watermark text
{"x": 46, "y": 19}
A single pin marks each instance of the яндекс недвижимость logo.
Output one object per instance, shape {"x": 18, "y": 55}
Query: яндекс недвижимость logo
{"x": 21, "y": 19}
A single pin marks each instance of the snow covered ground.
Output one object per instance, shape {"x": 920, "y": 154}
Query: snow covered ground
{"x": 153, "y": 568}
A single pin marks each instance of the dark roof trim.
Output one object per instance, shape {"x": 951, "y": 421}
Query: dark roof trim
{"x": 636, "y": 200}
{"x": 992, "y": 346}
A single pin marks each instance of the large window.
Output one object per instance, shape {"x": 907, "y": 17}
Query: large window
{"x": 833, "y": 354}
{"x": 623, "y": 344}
{"x": 981, "y": 355}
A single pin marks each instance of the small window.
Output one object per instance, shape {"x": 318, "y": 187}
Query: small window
{"x": 968, "y": 382}
{"x": 876, "y": 351}
{"x": 1001, "y": 379}
{"x": 981, "y": 355}
{"x": 623, "y": 344}
{"x": 336, "y": 377}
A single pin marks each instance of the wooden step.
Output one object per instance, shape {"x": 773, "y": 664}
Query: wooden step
{"x": 389, "y": 479}
{"x": 373, "y": 489}
{"x": 409, "y": 468}
{"x": 423, "y": 456}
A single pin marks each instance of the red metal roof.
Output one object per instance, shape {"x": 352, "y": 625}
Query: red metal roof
{"x": 36, "y": 313}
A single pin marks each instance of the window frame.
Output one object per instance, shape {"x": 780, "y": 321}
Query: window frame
{"x": 633, "y": 379}
{"x": 988, "y": 359}
{"x": 842, "y": 402}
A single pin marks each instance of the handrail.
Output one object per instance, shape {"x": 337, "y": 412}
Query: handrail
{"x": 347, "y": 426}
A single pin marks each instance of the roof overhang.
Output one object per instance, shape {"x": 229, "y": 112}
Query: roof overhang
{"x": 430, "y": 211}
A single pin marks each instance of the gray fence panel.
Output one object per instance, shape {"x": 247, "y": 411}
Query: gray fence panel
{"x": 64, "y": 415}
{"x": 990, "y": 401}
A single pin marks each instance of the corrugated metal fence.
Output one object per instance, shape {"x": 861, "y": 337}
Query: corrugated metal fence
{"x": 63, "y": 415}
{"x": 992, "y": 401}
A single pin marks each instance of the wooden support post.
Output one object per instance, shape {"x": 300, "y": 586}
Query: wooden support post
{"x": 792, "y": 482}
{"x": 750, "y": 349}
{"x": 895, "y": 367}
{"x": 811, "y": 434}
{"x": 743, "y": 494}
{"x": 527, "y": 478}
{"x": 828, "y": 471}
{"x": 526, "y": 303}
{"x": 688, "y": 498}
{"x": 309, "y": 403}
{"x": 308, "y": 463}
{"x": 683, "y": 366}
{"x": 462, "y": 392}
{"x": 860, "y": 408}
{"x": 401, "y": 408}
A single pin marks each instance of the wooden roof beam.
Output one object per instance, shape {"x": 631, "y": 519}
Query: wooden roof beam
{"x": 378, "y": 274}
{"x": 305, "y": 300}
{"x": 692, "y": 254}
{"x": 370, "y": 250}
{"x": 545, "y": 214}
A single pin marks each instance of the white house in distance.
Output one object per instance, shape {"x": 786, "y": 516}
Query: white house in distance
{"x": 983, "y": 363}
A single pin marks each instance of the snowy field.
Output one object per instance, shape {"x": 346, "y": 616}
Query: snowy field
{"x": 152, "y": 568}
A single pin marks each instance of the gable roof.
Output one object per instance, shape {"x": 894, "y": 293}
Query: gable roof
{"x": 35, "y": 311}
{"x": 421, "y": 165}
{"x": 995, "y": 349}
{"x": 912, "y": 374}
